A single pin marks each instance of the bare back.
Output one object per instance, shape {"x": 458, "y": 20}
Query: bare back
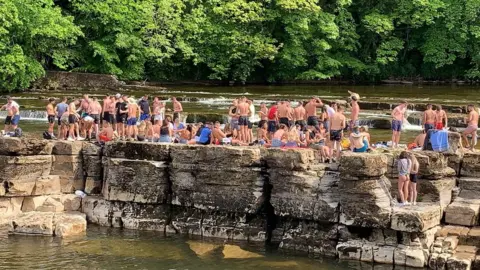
{"x": 473, "y": 118}
{"x": 299, "y": 113}
{"x": 429, "y": 117}
{"x": 355, "y": 111}
{"x": 338, "y": 121}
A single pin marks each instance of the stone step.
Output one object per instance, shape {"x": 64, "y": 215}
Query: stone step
{"x": 418, "y": 218}
{"x": 462, "y": 212}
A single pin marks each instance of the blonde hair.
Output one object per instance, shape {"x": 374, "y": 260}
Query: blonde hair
{"x": 292, "y": 135}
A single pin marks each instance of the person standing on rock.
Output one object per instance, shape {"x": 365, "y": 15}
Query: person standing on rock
{"x": 177, "y": 108}
{"x": 311, "y": 112}
{"x": 13, "y": 115}
{"x": 94, "y": 111}
{"x": 85, "y": 103}
{"x": 398, "y": 115}
{"x": 263, "y": 114}
{"x": 60, "y": 109}
{"x": 404, "y": 168}
{"x": 429, "y": 117}
{"x": 121, "y": 108}
{"x": 472, "y": 122}
{"x": 51, "y": 117}
{"x": 272, "y": 120}
{"x": 243, "y": 109}
{"x": 144, "y": 108}
{"x": 440, "y": 118}
{"x": 331, "y": 110}
{"x": 354, "y": 116}
{"x": 105, "y": 112}
{"x": 338, "y": 124}
{"x": 132, "y": 118}
{"x": 282, "y": 111}
{"x": 413, "y": 178}
{"x": 73, "y": 121}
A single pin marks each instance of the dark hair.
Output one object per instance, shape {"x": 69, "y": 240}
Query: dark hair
{"x": 354, "y": 98}
{"x": 403, "y": 155}
{"x": 51, "y": 99}
{"x": 165, "y": 123}
{"x": 439, "y": 107}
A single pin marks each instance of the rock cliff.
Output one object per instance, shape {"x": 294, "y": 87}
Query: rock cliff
{"x": 284, "y": 197}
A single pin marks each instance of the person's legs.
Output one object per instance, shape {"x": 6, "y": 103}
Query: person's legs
{"x": 406, "y": 185}
{"x": 413, "y": 193}
{"x": 339, "y": 150}
{"x": 401, "y": 182}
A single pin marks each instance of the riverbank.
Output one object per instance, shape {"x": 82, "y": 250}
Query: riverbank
{"x": 281, "y": 197}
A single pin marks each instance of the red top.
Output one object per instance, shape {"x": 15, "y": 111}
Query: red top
{"x": 272, "y": 112}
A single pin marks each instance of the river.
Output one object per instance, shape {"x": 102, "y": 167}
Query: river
{"x": 109, "y": 248}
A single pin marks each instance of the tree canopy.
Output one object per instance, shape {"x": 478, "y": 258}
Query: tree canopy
{"x": 240, "y": 40}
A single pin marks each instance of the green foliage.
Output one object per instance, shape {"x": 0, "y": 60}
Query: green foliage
{"x": 240, "y": 40}
{"x": 33, "y": 34}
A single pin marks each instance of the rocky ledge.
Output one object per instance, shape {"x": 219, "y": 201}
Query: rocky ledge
{"x": 283, "y": 197}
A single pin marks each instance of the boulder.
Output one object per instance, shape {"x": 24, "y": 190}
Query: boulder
{"x": 470, "y": 165}
{"x": 417, "y": 218}
{"x": 136, "y": 181}
{"x": 305, "y": 195}
{"x": 437, "y": 190}
{"x": 97, "y": 210}
{"x": 360, "y": 166}
{"x": 33, "y": 223}
{"x": 10, "y": 146}
{"x": 365, "y": 203}
{"x": 32, "y": 203}
{"x": 469, "y": 186}
{"x": 50, "y": 205}
{"x": 67, "y": 148}
{"x": 138, "y": 150}
{"x": 24, "y": 168}
{"x": 462, "y": 212}
{"x": 47, "y": 185}
{"x": 433, "y": 165}
{"x": 70, "y": 224}
{"x": 93, "y": 186}
{"x": 288, "y": 159}
{"x": 70, "y": 171}
{"x": 459, "y": 231}
{"x": 455, "y": 146}
{"x": 10, "y": 206}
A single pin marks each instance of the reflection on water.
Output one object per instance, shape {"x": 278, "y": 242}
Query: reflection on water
{"x": 106, "y": 248}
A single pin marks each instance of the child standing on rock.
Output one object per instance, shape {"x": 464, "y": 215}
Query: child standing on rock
{"x": 413, "y": 178}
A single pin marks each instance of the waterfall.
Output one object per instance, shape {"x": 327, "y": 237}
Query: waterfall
{"x": 28, "y": 115}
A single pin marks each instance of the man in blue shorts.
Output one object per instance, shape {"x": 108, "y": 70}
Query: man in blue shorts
{"x": 398, "y": 115}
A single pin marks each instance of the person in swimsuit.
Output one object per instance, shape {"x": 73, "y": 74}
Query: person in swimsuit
{"x": 243, "y": 110}
{"x": 233, "y": 113}
{"x": 13, "y": 115}
{"x": 338, "y": 124}
{"x": 144, "y": 107}
{"x": 262, "y": 134}
{"x": 272, "y": 119}
{"x": 317, "y": 140}
{"x": 429, "y": 117}
{"x": 121, "y": 109}
{"x": 177, "y": 108}
{"x": 283, "y": 112}
{"x": 73, "y": 120}
{"x": 299, "y": 113}
{"x": 105, "y": 110}
{"x": 404, "y": 168}
{"x": 263, "y": 114}
{"x": 358, "y": 141}
{"x": 472, "y": 127}
{"x": 311, "y": 111}
{"x": 413, "y": 178}
{"x": 51, "y": 116}
{"x": 94, "y": 111}
{"x": 85, "y": 103}
{"x": 279, "y": 136}
{"x": 440, "y": 118}
{"x": 107, "y": 134}
{"x": 398, "y": 115}
{"x": 355, "y": 111}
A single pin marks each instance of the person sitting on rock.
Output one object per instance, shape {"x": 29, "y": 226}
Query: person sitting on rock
{"x": 279, "y": 136}
{"x": 419, "y": 141}
{"x": 358, "y": 141}
{"x": 106, "y": 134}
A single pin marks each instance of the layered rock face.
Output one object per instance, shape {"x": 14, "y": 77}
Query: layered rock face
{"x": 281, "y": 196}
{"x": 36, "y": 185}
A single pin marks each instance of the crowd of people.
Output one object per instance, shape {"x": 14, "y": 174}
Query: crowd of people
{"x": 284, "y": 123}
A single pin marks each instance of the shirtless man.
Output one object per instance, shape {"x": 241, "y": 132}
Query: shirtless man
{"x": 158, "y": 113}
{"x": 110, "y": 112}
{"x": 311, "y": 112}
{"x": 338, "y": 123}
{"x": 94, "y": 111}
{"x": 13, "y": 115}
{"x": 354, "y": 122}
{"x": 51, "y": 116}
{"x": 472, "y": 122}
{"x": 84, "y": 106}
{"x": 290, "y": 114}
{"x": 263, "y": 114}
{"x": 217, "y": 133}
{"x": 299, "y": 113}
{"x": 133, "y": 115}
{"x": 121, "y": 110}
{"x": 60, "y": 109}
{"x": 440, "y": 118}
{"x": 398, "y": 115}
{"x": 73, "y": 120}
{"x": 429, "y": 117}
{"x": 106, "y": 134}
{"x": 243, "y": 110}
{"x": 177, "y": 108}
{"x": 282, "y": 112}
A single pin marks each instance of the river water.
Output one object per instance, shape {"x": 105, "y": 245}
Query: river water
{"x": 107, "y": 248}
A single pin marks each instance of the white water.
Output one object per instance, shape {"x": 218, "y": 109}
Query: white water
{"x": 28, "y": 115}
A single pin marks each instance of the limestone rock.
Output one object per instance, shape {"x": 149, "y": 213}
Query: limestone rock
{"x": 437, "y": 190}
{"x": 470, "y": 187}
{"x": 70, "y": 202}
{"x": 383, "y": 254}
{"x": 462, "y": 212}
{"x": 50, "y": 205}
{"x": 19, "y": 187}
{"x": 470, "y": 167}
{"x": 351, "y": 250}
{"x": 288, "y": 159}
{"x": 138, "y": 150}
{"x": 417, "y": 218}
{"x": 67, "y": 148}
{"x": 415, "y": 257}
{"x": 97, "y": 210}
{"x": 460, "y": 261}
{"x": 70, "y": 171}
{"x": 235, "y": 252}
{"x": 10, "y": 206}
{"x": 356, "y": 166}
{"x": 47, "y": 185}
{"x": 473, "y": 238}
{"x": 453, "y": 230}
{"x": 433, "y": 165}
{"x": 305, "y": 195}
{"x": 32, "y": 203}
{"x": 476, "y": 263}
{"x": 136, "y": 181}
{"x": 93, "y": 186}
{"x": 365, "y": 203}
{"x": 221, "y": 156}
{"x": 455, "y": 144}
{"x": 70, "y": 224}
{"x": 202, "y": 248}
{"x": 25, "y": 168}
{"x": 91, "y": 149}
{"x": 33, "y": 223}
{"x": 10, "y": 146}
{"x": 92, "y": 167}
{"x": 142, "y": 217}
